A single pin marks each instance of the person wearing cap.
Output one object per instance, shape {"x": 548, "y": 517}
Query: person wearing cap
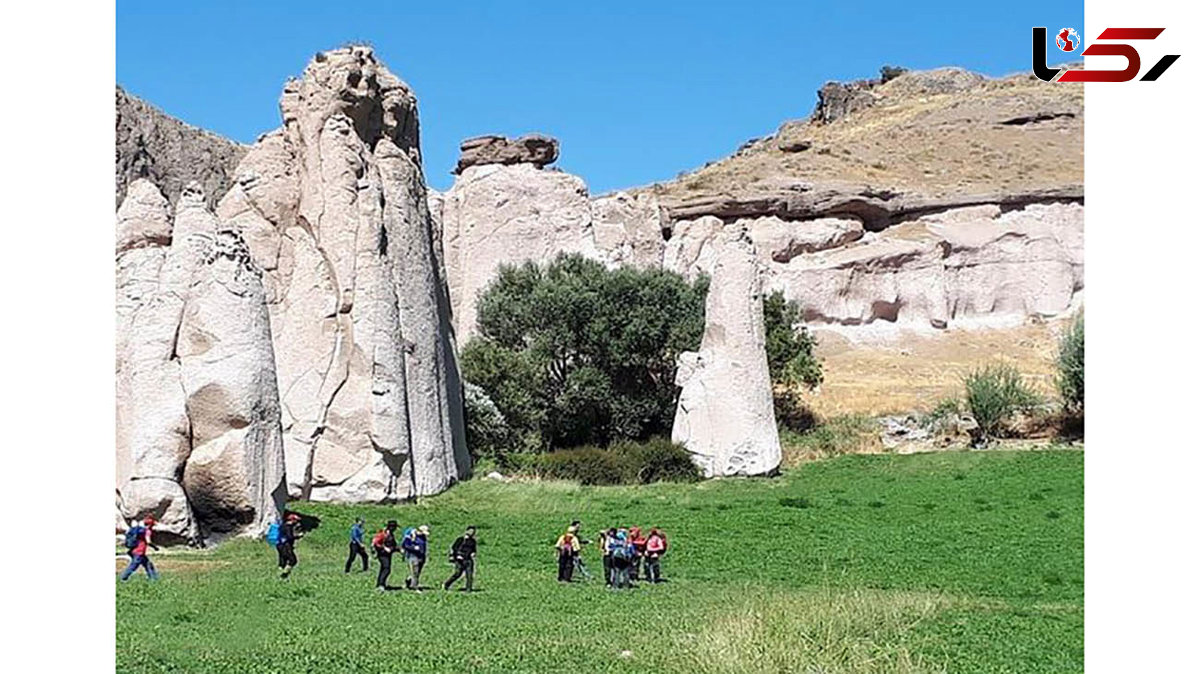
{"x": 289, "y": 533}
{"x": 138, "y": 556}
{"x": 415, "y": 547}
{"x": 567, "y": 546}
{"x": 462, "y": 556}
{"x": 384, "y": 544}
{"x": 356, "y": 545}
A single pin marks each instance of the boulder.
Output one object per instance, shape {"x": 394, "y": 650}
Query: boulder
{"x": 725, "y": 416}
{"x": 534, "y": 149}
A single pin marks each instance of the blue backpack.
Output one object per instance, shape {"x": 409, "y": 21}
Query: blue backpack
{"x": 132, "y": 536}
{"x": 273, "y": 534}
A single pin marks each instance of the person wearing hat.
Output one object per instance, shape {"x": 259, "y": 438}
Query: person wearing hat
{"x": 137, "y": 554}
{"x": 462, "y": 556}
{"x": 384, "y": 543}
{"x": 415, "y": 547}
{"x": 289, "y": 533}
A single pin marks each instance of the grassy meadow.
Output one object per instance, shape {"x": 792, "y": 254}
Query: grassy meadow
{"x": 954, "y": 562}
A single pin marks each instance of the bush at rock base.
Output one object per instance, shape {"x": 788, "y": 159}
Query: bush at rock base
{"x": 791, "y": 362}
{"x": 654, "y": 460}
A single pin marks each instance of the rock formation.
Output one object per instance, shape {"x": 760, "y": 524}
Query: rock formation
{"x": 307, "y": 324}
{"x": 199, "y": 442}
{"x": 334, "y": 209}
{"x": 533, "y": 149}
{"x": 726, "y": 416}
{"x": 169, "y": 153}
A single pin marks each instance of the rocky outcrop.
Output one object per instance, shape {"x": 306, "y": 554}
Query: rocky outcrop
{"x": 170, "y": 153}
{"x": 304, "y": 329}
{"x": 534, "y": 149}
{"x": 199, "y": 442}
{"x": 725, "y": 415}
{"x": 836, "y": 100}
{"x": 334, "y": 209}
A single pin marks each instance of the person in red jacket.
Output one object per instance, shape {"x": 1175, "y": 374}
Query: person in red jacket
{"x": 638, "y": 540}
{"x": 137, "y": 554}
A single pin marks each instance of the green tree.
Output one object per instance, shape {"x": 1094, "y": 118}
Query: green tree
{"x": 790, "y": 360}
{"x": 573, "y": 353}
{"x": 1070, "y": 366}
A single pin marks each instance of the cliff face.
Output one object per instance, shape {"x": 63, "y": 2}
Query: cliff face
{"x": 341, "y": 307}
{"x": 170, "y": 153}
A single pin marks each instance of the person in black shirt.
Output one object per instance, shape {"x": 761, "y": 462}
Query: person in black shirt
{"x": 383, "y": 552}
{"x": 289, "y": 533}
{"x": 462, "y": 555}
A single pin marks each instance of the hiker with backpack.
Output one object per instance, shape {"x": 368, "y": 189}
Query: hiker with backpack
{"x": 137, "y": 538}
{"x": 622, "y": 557}
{"x": 356, "y": 545}
{"x": 567, "y": 547}
{"x": 384, "y": 543}
{"x": 288, "y": 533}
{"x": 583, "y": 543}
{"x": 656, "y": 547}
{"x": 462, "y": 556}
{"x": 415, "y": 548}
{"x": 605, "y": 554}
{"x": 638, "y": 541}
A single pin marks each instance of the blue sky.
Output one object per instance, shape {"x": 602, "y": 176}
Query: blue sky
{"x": 635, "y": 91}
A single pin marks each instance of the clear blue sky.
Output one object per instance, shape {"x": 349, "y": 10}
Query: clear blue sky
{"x": 635, "y": 91}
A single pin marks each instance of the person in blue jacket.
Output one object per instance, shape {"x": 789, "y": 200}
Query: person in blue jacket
{"x": 356, "y": 545}
{"x": 415, "y": 547}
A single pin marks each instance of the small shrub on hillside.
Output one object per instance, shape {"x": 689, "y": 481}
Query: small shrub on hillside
{"x": 995, "y": 394}
{"x": 1070, "y": 367}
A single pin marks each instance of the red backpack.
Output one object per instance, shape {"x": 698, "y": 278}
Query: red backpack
{"x": 379, "y": 538}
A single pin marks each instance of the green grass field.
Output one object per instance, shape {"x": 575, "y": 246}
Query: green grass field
{"x": 956, "y": 562}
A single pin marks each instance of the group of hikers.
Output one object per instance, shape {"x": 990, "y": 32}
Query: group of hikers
{"x": 627, "y": 555}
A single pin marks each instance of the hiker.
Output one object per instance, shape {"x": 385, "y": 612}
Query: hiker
{"x": 462, "y": 556}
{"x": 638, "y": 541}
{"x": 289, "y": 533}
{"x": 415, "y": 547}
{"x": 605, "y": 554}
{"x": 356, "y": 545}
{"x": 567, "y": 547}
{"x": 583, "y": 543}
{"x": 137, "y": 539}
{"x": 656, "y": 546}
{"x": 622, "y": 553}
{"x": 384, "y": 544}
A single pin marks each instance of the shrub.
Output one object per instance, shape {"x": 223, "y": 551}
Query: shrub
{"x": 656, "y": 460}
{"x": 995, "y": 394}
{"x": 586, "y": 465}
{"x": 1070, "y": 367}
{"x": 573, "y": 353}
{"x": 832, "y": 437}
{"x": 659, "y": 460}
